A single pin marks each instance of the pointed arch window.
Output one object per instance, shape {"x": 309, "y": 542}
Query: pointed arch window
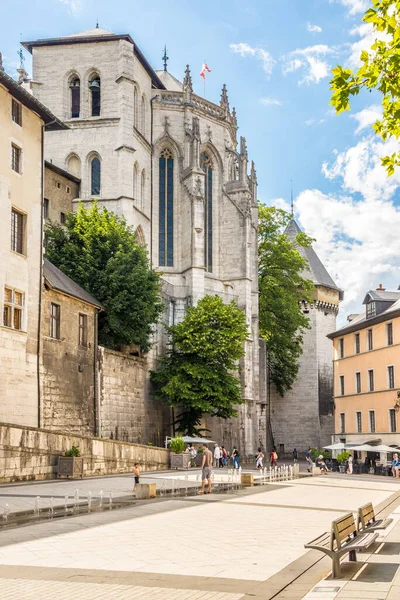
{"x": 75, "y": 87}
{"x": 143, "y": 116}
{"x": 95, "y": 172}
{"x": 206, "y": 165}
{"x": 166, "y": 209}
{"x": 135, "y": 181}
{"x": 136, "y": 108}
{"x": 94, "y": 86}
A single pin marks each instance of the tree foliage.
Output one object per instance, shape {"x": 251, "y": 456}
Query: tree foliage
{"x": 99, "y": 251}
{"x": 379, "y": 71}
{"x": 281, "y": 287}
{"x": 199, "y": 373}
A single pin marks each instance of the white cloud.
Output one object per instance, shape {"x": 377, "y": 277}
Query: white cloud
{"x": 314, "y": 28}
{"x": 367, "y": 117}
{"x": 281, "y": 203}
{"x": 270, "y": 101}
{"x": 310, "y": 122}
{"x": 354, "y": 6}
{"x": 245, "y": 50}
{"x": 367, "y": 37}
{"x": 311, "y": 61}
{"x": 75, "y": 6}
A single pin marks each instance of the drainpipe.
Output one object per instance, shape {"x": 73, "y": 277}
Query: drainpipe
{"x": 97, "y": 403}
{"x": 43, "y": 128}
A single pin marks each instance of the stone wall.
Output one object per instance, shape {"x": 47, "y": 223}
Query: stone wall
{"x": 31, "y": 454}
{"x": 128, "y": 411}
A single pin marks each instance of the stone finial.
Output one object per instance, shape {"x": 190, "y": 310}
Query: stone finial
{"x": 234, "y": 118}
{"x": 187, "y": 81}
{"x": 1, "y": 62}
{"x": 243, "y": 160}
{"x": 243, "y": 148}
{"x": 224, "y": 102}
{"x": 253, "y": 172}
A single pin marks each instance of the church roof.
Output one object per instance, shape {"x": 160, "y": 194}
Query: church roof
{"x": 98, "y": 35}
{"x": 316, "y": 270}
{"x": 171, "y": 83}
{"x": 59, "y": 281}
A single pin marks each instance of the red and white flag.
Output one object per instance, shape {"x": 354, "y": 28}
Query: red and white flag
{"x": 204, "y": 69}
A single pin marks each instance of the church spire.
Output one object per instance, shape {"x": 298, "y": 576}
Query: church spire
{"x": 165, "y": 58}
{"x": 224, "y": 102}
{"x": 291, "y": 199}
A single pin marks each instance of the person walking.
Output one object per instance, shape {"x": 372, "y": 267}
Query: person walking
{"x": 235, "y": 457}
{"x": 395, "y": 465}
{"x": 350, "y": 466}
{"x": 259, "y": 459}
{"x": 309, "y": 460}
{"x": 206, "y": 470}
{"x": 217, "y": 455}
{"x": 273, "y": 458}
{"x": 295, "y": 456}
{"x": 222, "y": 460}
{"x": 136, "y": 474}
{"x": 193, "y": 453}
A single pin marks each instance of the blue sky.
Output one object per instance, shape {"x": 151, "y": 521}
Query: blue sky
{"x": 275, "y": 58}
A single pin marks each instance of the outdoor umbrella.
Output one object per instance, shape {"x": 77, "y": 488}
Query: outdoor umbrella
{"x": 337, "y": 446}
{"x": 383, "y": 448}
{"x": 196, "y": 440}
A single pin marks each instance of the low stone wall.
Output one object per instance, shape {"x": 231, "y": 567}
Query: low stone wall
{"x": 28, "y": 454}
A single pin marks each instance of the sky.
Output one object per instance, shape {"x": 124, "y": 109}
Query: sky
{"x": 276, "y": 59}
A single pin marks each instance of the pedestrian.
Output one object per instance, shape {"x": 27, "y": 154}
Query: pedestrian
{"x": 395, "y": 465}
{"x": 295, "y": 455}
{"x": 309, "y": 460}
{"x": 259, "y": 459}
{"x": 193, "y": 453}
{"x": 273, "y": 457}
{"x": 235, "y": 456}
{"x": 217, "y": 455}
{"x": 350, "y": 465}
{"x": 136, "y": 474}
{"x": 224, "y": 454}
{"x": 206, "y": 470}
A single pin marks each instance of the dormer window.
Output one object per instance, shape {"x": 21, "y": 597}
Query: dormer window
{"x": 371, "y": 309}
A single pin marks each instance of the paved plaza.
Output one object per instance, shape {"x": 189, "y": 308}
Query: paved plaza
{"x": 244, "y": 544}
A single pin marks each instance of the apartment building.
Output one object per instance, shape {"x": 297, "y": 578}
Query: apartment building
{"x": 367, "y": 371}
{"x": 23, "y": 120}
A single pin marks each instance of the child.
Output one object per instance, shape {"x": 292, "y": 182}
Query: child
{"x": 136, "y": 472}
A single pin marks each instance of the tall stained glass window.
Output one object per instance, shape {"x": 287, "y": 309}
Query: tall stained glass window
{"x": 166, "y": 209}
{"x": 208, "y": 205}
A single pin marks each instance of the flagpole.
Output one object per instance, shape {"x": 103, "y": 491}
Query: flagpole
{"x": 204, "y": 85}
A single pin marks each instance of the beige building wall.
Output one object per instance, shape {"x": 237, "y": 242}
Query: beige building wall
{"x": 60, "y": 189}
{"x": 20, "y": 272}
{"x": 382, "y": 399}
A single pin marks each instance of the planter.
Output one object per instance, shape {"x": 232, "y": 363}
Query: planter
{"x": 198, "y": 459}
{"x": 70, "y": 466}
{"x": 180, "y": 461}
{"x": 342, "y": 468}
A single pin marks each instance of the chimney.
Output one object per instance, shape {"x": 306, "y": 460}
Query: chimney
{"x": 380, "y": 288}
{"x": 351, "y": 317}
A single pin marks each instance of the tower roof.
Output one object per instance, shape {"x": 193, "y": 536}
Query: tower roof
{"x": 170, "y": 82}
{"x": 316, "y": 270}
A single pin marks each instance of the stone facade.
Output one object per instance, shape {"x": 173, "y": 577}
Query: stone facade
{"x": 28, "y": 454}
{"x": 68, "y": 372}
{"x": 170, "y": 162}
{"x": 21, "y": 124}
{"x": 128, "y": 412}
{"x": 60, "y": 189}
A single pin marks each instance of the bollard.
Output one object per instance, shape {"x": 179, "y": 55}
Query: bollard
{"x": 110, "y": 500}
{"x": 6, "y": 512}
{"x": 37, "y": 505}
{"x": 101, "y": 499}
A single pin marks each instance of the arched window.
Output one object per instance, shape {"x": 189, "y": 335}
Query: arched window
{"x": 136, "y": 182}
{"x": 142, "y": 189}
{"x": 143, "y": 116}
{"x": 75, "y": 102}
{"x": 95, "y": 173}
{"x": 74, "y": 165}
{"x": 136, "y": 108}
{"x": 94, "y": 87}
{"x": 140, "y": 236}
{"x": 206, "y": 165}
{"x": 166, "y": 209}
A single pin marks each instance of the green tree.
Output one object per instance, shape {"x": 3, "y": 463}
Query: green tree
{"x": 199, "y": 373}
{"x": 99, "y": 251}
{"x": 281, "y": 287}
{"x": 379, "y": 71}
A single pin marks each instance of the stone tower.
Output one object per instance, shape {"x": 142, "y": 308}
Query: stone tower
{"x": 304, "y": 416}
{"x": 150, "y": 149}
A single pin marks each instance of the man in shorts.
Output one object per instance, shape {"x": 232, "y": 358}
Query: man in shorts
{"x": 206, "y": 467}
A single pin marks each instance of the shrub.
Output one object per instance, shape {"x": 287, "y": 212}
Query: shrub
{"x": 74, "y": 451}
{"x": 343, "y": 457}
{"x": 177, "y": 445}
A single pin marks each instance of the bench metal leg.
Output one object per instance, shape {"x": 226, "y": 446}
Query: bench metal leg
{"x": 352, "y": 556}
{"x": 336, "y": 570}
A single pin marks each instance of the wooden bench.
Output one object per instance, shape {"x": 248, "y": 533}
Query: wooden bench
{"x": 342, "y": 539}
{"x": 367, "y": 521}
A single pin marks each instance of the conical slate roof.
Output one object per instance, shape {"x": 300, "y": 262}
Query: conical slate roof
{"x": 316, "y": 270}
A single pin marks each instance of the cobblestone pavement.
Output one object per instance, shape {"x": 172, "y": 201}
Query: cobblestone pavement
{"x": 248, "y": 544}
